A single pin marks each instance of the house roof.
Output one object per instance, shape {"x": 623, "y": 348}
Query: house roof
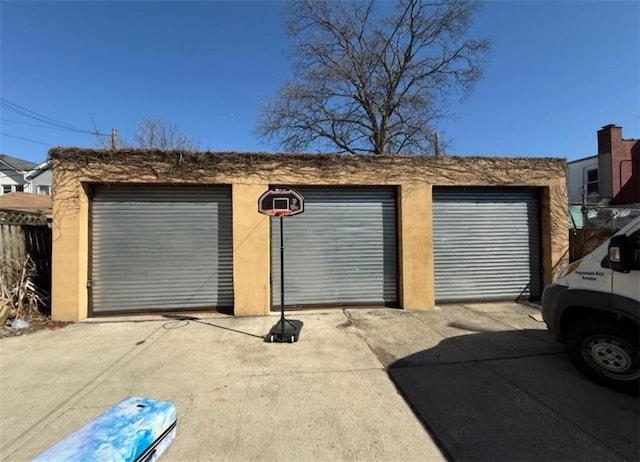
{"x": 16, "y": 164}
{"x": 38, "y": 170}
{"x": 582, "y": 159}
{"x": 26, "y": 202}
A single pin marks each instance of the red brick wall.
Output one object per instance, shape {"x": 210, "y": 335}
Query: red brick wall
{"x": 625, "y": 164}
{"x": 628, "y": 172}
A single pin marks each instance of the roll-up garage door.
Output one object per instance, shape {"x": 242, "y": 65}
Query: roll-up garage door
{"x": 486, "y": 243}
{"x": 160, "y": 248}
{"x": 340, "y": 251}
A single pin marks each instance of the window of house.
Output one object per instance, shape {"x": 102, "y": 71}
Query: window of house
{"x": 19, "y": 188}
{"x": 43, "y": 189}
{"x": 592, "y": 181}
{"x": 6, "y": 188}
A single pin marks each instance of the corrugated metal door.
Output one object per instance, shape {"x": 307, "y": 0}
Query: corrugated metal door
{"x": 486, "y": 243}
{"x": 340, "y": 251}
{"x": 161, "y": 248}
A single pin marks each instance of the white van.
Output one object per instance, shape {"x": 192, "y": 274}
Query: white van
{"x": 594, "y": 308}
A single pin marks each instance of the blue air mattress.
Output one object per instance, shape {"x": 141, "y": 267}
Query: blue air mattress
{"x": 136, "y": 429}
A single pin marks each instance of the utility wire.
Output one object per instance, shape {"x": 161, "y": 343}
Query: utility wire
{"x": 25, "y": 139}
{"x": 25, "y": 112}
{"x": 35, "y": 125}
{"x": 6, "y": 104}
{"x": 39, "y": 119}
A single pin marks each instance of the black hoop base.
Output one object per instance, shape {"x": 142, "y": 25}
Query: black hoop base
{"x": 284, "y": 331}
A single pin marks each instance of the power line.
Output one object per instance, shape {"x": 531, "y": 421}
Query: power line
{"x": 39, "y": 119}
{"x": 34, "y": 125}
{"x": 25, "y": 112}
{"x": 25, "y": 139}
{"x": 14, "y": 107}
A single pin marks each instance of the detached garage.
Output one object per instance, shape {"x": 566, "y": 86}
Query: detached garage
{"x": 138, "y": 230}
{"x": 160, "y": 248}
{"x": 486, "y": 243}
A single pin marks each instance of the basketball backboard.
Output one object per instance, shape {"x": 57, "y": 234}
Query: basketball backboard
{"x": 281, "y": 202}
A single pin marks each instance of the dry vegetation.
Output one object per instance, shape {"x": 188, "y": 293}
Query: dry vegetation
{"x": 191, "y": 166}
{"x": 24, "y": 263}
{"x": 19, "y": 297}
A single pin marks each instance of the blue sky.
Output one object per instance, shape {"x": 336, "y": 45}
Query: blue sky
{"x": 557, "y": 72}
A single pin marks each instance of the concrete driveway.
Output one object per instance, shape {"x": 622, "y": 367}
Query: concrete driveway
{"x": 482, "y": 382}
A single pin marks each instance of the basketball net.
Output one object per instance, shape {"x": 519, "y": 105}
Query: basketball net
{"x": 278, "y": 212}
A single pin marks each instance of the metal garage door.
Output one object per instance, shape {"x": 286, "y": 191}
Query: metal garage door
{"x": 486, "y": 244}
{"x": 160, "y": 248}
{"x": 340, "y": 251}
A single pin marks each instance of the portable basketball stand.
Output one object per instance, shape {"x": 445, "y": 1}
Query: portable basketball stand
{"x": 281, "y": 203}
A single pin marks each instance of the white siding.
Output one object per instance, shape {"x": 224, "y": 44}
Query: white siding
{"x": 577, "y": 179}
{"x": 40, "y": 183}
{"x": 10, "y": 179}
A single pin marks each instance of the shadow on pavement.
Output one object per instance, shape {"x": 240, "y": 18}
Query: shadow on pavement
{"x": 511, "y": 406}
{"x": 181, "y": 317}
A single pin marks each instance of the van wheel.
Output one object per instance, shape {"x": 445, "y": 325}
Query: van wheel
{"x": 606, "y": 352}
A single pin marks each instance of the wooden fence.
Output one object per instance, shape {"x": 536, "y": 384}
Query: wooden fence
{"x": 22, "y": 237}
{"x": 584, "y": 241}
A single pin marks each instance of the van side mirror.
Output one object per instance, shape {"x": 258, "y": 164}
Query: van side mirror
{"x": 619, "y": 254}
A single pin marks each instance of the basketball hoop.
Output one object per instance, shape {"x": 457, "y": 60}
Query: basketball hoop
{"x": 277, "y": 212}
{"x": 281, "y": 203}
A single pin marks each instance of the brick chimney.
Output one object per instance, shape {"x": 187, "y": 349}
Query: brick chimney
{"x": 607, "y": 136}
{"x": 618, "y": 159}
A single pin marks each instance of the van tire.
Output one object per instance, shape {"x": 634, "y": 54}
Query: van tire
{"x": 606, "y": 352}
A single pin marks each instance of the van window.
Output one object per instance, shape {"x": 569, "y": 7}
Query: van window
{"x": 635, "y": 250}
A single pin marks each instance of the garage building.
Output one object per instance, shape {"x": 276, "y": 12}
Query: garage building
{"x": 149, "y": 231}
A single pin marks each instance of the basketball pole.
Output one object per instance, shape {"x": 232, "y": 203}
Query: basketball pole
{"x": 280, "y": 203}
{"x": 281, "y": 275}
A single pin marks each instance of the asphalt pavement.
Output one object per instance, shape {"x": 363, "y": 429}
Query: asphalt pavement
{"x": 464, "y": 382}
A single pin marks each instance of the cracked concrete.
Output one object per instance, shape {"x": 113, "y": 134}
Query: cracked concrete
{"x": 237, "y": 397}
{"x": 467, "y": 381}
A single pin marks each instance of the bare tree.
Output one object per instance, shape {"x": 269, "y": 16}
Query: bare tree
{"x": 152, "y": 133}
{"x": 157, "y": 134}
{"x": 102, "y": 139}
{"x": 373, "y": 83}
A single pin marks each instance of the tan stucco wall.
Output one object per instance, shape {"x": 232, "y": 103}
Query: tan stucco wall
{"x": 554, "y": 211}
{"x": 70, "y": 254}
{"x": 251, "y": 174}
{"x": 415, "y": 233}
{"x": 251, "y": 257}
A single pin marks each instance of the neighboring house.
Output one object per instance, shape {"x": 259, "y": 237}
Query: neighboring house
{"x": 612, "y": 177}
{"x": 17, "y": 175}
{"x": 12, "y": 174}
{"x": 39, "y": 179}
{"x": 143, "y": 230}
{"x": 582, "y": 181}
